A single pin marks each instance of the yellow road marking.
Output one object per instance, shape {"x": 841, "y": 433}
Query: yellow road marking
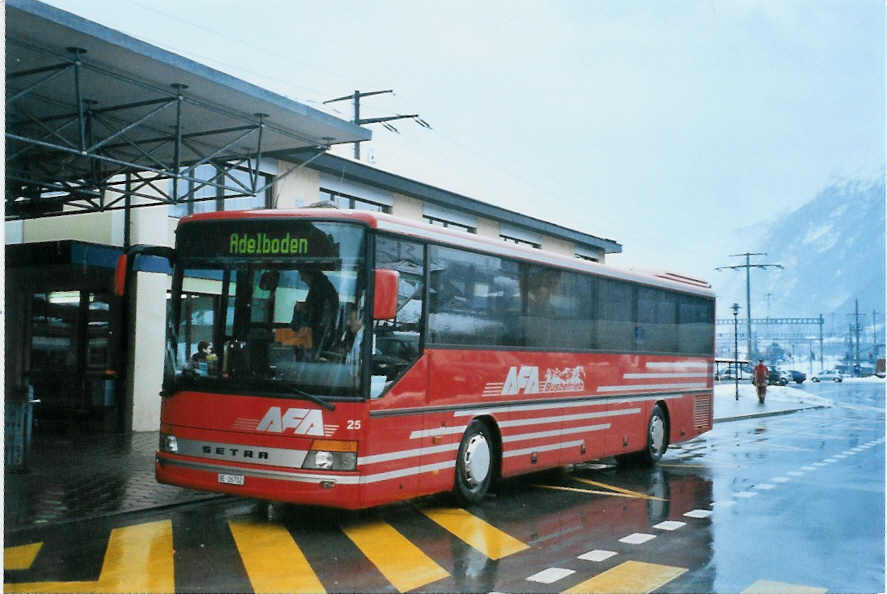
{"x": 138, "y": 559}
{"x": 487, "y": 539}
{"x": 578, "y": 490}
{"x": 631, "y": 576}
{"x": 20, "y": 557}
{"x": 400, "y": 561}
{"x": 273, "y": 560}
{"x": 618, "y": 489}
{"x": 768, "y": 587}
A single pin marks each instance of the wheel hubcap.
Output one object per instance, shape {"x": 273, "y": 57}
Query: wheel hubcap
{"x": 657, "y": 435}
{"x": 476, "y": 460}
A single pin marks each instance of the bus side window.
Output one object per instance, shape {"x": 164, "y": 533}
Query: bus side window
{"x": 396, "y": 341}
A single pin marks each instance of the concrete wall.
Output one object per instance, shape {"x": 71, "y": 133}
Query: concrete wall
{"x": 299, "y": 188}
{"x": 147, "y": 349}
{"x": 488, "y": 228}
{"x": 93, "y": 227}
{"x": 407, "y": 207}
{"x": 561, "y": 247}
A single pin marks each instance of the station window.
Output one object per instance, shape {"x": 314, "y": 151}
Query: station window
{"x": 215, "y": 189}
{"x": 353, "y": 202}
{"x": 531, "y": 244}
{"x": 450, "y": 224}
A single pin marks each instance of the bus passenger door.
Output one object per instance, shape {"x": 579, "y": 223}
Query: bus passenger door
{"x": 398, "y": 374}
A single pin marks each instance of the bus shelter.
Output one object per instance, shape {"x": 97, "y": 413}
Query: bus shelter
{"x": 100, "y": 122}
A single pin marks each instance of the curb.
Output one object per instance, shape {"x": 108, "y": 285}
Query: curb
{"x": 116, "y": 513}
{"x": 769, "y": 413}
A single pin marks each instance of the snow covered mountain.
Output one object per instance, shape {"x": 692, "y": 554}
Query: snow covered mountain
{"x": 832, "y": 250}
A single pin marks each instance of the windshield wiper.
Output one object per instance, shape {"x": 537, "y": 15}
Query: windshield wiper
{"x": 315, "y": 399}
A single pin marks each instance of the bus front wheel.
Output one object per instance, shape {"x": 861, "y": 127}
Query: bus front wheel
{"x": 474, "y": 464}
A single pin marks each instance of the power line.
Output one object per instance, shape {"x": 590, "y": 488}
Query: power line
{"x": 748, "y": 266}
{"x": 381, "y": 120}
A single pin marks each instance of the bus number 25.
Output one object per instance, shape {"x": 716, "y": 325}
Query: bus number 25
{"x": 353, "y": 424}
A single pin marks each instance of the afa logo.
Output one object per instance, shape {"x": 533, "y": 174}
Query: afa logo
{"x": 302, "y": 421}
{"x": 526, "y": 379}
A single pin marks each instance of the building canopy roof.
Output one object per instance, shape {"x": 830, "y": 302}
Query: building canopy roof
{"x": 85, "y": 103}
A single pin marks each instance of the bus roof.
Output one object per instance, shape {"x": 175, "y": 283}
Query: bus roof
{"x": 421, "y": 230}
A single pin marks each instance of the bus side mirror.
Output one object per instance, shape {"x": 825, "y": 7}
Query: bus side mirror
{"x": 120, "y": 275}
{"x": 128, "y": 259}
{"x": 385, "y": 296}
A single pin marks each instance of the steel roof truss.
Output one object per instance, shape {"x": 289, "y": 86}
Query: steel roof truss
{"x": 68, "y": 151}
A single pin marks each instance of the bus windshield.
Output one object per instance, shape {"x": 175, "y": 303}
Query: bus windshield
{"x": 268, "y": 307}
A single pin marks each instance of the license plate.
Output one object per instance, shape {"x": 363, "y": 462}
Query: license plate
{"x": 230, "y": 479}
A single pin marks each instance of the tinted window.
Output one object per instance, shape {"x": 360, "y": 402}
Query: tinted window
{"x": 656, "y": 329}
{"x": 614, "y": 328}
{"x": 695, "y": 324}
{"x": 474, "y": 299}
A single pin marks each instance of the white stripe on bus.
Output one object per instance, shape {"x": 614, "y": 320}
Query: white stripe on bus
{"x": 439, "y": 431}
{"x": 545, "y": 448}
{"x": 625, "y": 388}
{"x": 555, "y": 433}
{"x": 421, "y": 469}
{"x": 677, "y": 365}
{"x": 387, "y": 457}
{"x": 412, "y": 453}
{"x": 339, "y": 479}
{"x": 543, "y": 405}
{"x": 564, "y": 418}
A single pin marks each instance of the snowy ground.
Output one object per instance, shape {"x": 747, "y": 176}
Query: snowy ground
{"x": 865, "y": 380}
{"x": 779, "y": 399}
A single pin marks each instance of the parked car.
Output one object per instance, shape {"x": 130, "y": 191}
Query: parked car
{"x": 777, "y": 377}
{"x": 797, "y": 376}
{"x": 726, "y": 374}
{"x": 827, "y": 375}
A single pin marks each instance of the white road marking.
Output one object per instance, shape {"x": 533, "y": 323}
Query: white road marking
{"x": 808, "y": 468}
{"x": 796, "y": 473}
{"x": 670, "y": 525}
{"x": 745, "y": 494}
{"x": 780, "y": 479}
{"x": 597, "y": 555}
{"x": 699, "y": 513}
{"x": 765, "y": 487}
{"x": 550, "y": 575}
{"x": 637, "y": 538}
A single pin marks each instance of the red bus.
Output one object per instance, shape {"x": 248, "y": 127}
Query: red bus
{"x": 350, "y": 359}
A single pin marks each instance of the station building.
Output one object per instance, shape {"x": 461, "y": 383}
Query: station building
{"x": 68, "y": 346}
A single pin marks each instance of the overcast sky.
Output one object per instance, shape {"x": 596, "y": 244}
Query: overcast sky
{"x": 654, "y": 123}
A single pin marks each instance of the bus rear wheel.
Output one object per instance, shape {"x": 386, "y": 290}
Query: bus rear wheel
{"x": 474, "y": 464}
{"x": 657, "y": 437}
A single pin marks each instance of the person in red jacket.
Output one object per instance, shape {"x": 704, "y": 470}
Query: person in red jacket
{"x": 761, "y": 376}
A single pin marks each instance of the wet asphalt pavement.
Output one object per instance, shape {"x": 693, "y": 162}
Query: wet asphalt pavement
{"x": 764, "y": 504}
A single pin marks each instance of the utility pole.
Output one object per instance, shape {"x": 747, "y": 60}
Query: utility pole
{"x": 855, "y": 334}
{"x": 360, "y": 122}
{"x": 748, "y": 266}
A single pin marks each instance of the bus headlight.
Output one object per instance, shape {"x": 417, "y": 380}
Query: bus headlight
{"x": 328, "y": 454}
{"x": 168, "y": 444}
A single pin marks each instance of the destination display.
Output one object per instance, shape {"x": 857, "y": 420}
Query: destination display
{"x": 262, "y": 238}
